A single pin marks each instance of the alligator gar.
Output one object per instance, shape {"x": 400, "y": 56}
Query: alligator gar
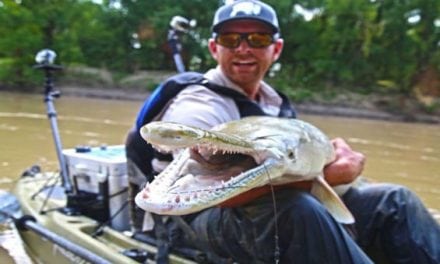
{"x": 218, "y": 164}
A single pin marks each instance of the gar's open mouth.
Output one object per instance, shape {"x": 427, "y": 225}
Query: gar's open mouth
{"x": 206, "y": 168}
{"x": 216, "y": 159}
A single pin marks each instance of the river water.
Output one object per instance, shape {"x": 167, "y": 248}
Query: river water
{"x": 404, "y": 153}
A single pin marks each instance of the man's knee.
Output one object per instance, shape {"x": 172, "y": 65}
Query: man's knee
{"x": 402, "y": 193}
{"x": 400, "y": 198}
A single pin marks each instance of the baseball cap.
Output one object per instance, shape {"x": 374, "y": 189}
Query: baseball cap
{"x": 246, "y": 9}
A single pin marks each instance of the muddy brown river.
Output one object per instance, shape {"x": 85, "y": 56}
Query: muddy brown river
{"x": 404, "y": 153}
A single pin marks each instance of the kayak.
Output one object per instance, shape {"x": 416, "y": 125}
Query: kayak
{"x": 53, "y": 232}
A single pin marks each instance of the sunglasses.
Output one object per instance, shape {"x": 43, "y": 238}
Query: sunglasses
{"x": 254, "y": 40}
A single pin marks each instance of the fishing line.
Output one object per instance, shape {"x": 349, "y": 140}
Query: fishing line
{"x": 275, "y": 212}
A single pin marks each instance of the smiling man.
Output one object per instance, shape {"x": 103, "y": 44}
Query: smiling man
{"x": 246, "y": 41}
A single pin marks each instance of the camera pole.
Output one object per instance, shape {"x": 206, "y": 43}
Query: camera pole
{"x": 45, "y": 61}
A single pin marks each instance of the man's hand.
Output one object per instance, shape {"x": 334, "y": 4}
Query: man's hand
{"x": 347, "y": 166}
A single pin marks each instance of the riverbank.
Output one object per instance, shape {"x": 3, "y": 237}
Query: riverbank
{"x": 347, "y": 105}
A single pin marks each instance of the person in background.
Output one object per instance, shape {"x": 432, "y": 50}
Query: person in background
{"x": 392, "y": 225}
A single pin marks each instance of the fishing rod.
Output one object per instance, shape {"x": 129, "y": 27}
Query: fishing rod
{"x": 45, "y": 61}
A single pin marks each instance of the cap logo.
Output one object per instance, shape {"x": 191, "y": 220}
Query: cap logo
{"x": 246, "y": 8}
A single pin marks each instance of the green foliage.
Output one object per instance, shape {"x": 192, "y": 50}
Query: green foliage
{"x": 432, "y": 108}
{"x": 358, "y": 43}
{"x": 371, "y": 45}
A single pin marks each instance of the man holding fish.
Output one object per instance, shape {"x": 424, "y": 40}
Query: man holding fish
{"x": 280, "y": 221}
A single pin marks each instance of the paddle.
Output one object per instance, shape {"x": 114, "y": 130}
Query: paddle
{"x": 10, "y": 210}
{"x": 10, "y": 239}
